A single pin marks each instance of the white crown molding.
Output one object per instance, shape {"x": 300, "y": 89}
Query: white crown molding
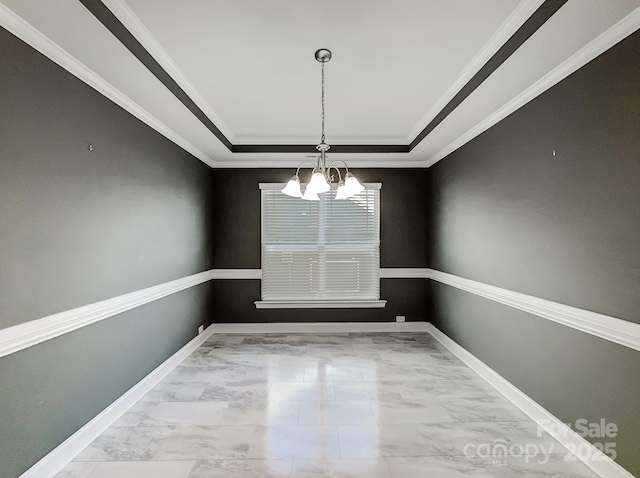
{"x": 597, "y": 46}
{"x": 313, "y": 139}
{"x": 600, "y": 463}
{"x": 29, "y": 34}
{"x": 515, "y": 20}
{"x": 129, "y": 19}
{"x": 391, "y": 161}
{"x": 404, "y": 273}
{"x": 615, "y": 330}
{"x": 57, "y": 459}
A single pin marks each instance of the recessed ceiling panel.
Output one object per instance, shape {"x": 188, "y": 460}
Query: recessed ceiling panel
{"x": 252, "y": 61}
{"x": 248, "y": 66}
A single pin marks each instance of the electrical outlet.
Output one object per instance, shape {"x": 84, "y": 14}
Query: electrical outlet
{"x": 200, "y": 329}
{"x": 399, "y": 318}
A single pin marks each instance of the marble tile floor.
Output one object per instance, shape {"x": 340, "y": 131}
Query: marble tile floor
{"x": 388, "y": 405}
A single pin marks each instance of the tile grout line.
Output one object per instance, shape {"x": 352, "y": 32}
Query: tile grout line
{"x": 339, "y": 445}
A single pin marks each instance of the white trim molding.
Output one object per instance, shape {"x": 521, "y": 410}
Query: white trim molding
{"x": 19, "y": 337}
{"x": 318, "y": 327}
{"x": 514, "y": 21}
{"x": 236, "y": 273}
{"x": 22, "y": 336}
{"x": 33, "y": 37}
{"x": 320, "y": 304}
{"x": 622, "y": 332}
{"x": 129, "y": 19}
{"x": 597, "y": 46}
{"x": 57, "y": 459}
{"x": 385, "y": 273}
{"x": 290, "y": 161}
{"x": 404, "y": 273}
{"x": 600, "y": 463}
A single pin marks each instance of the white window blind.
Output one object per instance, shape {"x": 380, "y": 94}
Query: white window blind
{"x": 323, "y": 250}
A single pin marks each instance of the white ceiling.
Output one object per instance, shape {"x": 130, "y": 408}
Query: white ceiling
{"x": 249, "y": 66}
{"x": 253, "y": 61}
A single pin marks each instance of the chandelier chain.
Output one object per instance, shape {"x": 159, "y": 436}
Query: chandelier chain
{"x": 321, "y": 177}
{"x": 322, "y": 138}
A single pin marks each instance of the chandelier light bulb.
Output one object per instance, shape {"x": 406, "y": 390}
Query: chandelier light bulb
{"x": 352, "y": 184}
{"x": 310, "y": 195}
{"x": 342, "y": 192}
{"x": 293, "y": 187}
{"x": 318, "y": 183}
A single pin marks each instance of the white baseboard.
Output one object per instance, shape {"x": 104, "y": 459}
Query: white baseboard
{"x": 57, "y": 459}
{"x": 600, "y": 463}
{"x": 319, "y": 327}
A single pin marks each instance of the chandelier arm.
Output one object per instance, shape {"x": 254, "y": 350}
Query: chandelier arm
{"x": 336, "y": 168}
{"x": 339, "y": 161}
{"x": 302, "y": 164}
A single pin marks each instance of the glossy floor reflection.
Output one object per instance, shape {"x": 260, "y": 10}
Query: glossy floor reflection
{"x": 392, "y": 405}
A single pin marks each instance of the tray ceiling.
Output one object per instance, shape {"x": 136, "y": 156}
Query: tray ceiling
{"x": 248, "y": 67}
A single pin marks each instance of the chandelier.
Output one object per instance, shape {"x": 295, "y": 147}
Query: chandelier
{"x": 321, "y": 177}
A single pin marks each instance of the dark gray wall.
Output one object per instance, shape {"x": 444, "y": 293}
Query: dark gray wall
{"x": 403, "y": 229}
{"x": 77, "y": 227}
{"x": 504, "y": 211}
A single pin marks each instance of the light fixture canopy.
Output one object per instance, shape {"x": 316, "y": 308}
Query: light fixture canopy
{"x": 321, "y": 179}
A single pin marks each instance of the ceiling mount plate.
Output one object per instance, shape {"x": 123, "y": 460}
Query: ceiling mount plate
{"x": 323, "y": 55}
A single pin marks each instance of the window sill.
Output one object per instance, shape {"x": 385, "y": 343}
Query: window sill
{"x": 320, "y": 304}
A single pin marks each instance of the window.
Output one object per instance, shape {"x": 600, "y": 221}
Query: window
{"x": 320, "y": 253}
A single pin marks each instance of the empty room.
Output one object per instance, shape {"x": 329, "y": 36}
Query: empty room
{"x": 320, "y": 238}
